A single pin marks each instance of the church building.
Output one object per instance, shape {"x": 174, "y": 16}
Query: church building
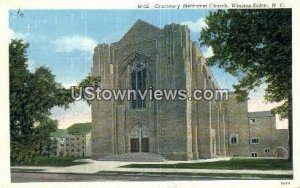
{"x": 164, "y": 58}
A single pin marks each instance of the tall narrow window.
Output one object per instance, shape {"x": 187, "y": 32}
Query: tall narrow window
{"x": 138, "y": 83}
{"x": 233, "y": 139}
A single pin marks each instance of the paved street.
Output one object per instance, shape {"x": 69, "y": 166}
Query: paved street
{"x": 113, "y": 170}
{"x": 46, "y": 177}
{"x": 92, "y": 167}
{"x": 18, "y": 177}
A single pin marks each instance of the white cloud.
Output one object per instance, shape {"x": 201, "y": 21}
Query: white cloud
{"x": 17, "y": 35}
{"x": 197, "y": 25}
{"x": 73, "y": 43}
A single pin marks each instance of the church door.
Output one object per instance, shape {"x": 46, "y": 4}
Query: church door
{"x": 139, "y": 139}
{"x": 145, "y": 144}
{"x": 134, "y": 143}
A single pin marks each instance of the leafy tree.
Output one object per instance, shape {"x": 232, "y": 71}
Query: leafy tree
{"x": 89, "y": 81}
{"x": 32, "y": 95}
{"x": 255, "y": 46}
{"x": 41, "y": 134}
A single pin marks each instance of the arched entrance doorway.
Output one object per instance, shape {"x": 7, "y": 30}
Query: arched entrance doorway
{"x": 280, "y": 152}
{"x": 139, "y": 139}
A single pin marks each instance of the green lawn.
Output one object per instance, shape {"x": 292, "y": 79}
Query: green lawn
{"x": 232, "y": 164}
{"x": 208, "y": 175}
{"x": 53, "y": 161}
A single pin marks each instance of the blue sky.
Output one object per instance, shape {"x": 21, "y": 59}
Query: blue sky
{"x": 54, "y": 34}
{"x": 63, "y": 40}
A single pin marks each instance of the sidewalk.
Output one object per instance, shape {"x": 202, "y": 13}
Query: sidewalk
{"x": 93, "y": 167}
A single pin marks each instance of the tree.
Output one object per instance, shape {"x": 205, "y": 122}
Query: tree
{"x": 255, "y": 46}
{"x": 41, "y": 134}
{"x": 32, "y": 95}
{"x": 89, "y": 81}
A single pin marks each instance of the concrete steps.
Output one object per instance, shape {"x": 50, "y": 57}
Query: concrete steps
{"x": 134, "y": 157}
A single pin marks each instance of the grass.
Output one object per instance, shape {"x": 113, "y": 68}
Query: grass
{"x": 232, "y": 164}
{"x": 53, "y": 161}
{"x": 208, "y": 175}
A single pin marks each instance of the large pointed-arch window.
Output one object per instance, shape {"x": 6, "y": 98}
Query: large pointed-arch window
{"x": 138, "y": 83}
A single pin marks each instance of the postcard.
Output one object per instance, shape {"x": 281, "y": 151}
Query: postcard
{"x": 172, "y": 94}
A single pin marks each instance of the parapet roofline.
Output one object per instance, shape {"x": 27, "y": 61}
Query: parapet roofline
{"x": 261, "y": 114}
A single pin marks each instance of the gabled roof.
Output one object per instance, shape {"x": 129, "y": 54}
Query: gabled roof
{"x": 140, "y": 29}
{"x": 260, "y": 114}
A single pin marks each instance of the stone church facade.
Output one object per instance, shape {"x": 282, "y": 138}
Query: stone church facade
{"x": 148, "y": 56}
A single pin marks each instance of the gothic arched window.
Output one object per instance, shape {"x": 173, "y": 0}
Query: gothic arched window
{"x": 138, "y": 83}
